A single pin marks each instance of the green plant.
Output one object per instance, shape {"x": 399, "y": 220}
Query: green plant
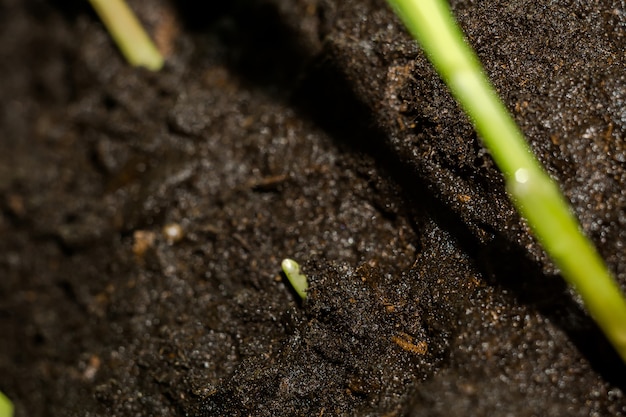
{"x": 298, "y": 280}
{"x": 128, "y": 33}
{"x": 533, "y": 192}
{"x": 6, "y": 406}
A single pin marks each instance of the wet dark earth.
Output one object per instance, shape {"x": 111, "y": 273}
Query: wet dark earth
{"x": 144, "y": 216}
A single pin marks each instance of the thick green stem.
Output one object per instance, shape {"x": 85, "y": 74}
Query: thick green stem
{"x": 128, "y": 33}
{"x": 535, "y": 195}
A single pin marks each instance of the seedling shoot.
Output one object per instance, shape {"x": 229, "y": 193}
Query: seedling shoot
{"x": 297, "y": 279}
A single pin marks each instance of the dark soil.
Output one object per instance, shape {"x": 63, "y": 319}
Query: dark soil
{"x": 144, "y": 216}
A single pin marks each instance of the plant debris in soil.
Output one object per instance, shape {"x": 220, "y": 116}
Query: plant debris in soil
{"x": 144, "y": 216}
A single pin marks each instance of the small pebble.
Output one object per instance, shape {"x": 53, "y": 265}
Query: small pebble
{"x": 173, "y": 233}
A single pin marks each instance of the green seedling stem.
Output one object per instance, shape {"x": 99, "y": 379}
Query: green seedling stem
{"x": 298, "y": 280}
{"x": 128, "y": 33}
{"x": 535, "y": 195}
{"x": 6, "y": 406}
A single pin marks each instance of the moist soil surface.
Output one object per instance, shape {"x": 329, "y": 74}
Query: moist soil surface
{"x": 144, "y": 216}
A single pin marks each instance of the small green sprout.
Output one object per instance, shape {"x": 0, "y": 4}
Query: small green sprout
{"x": 298, "y": 280}
{"x": 128, "y": 33}
{"x": 6, "y": 406}
{"x": 533, "y": 192}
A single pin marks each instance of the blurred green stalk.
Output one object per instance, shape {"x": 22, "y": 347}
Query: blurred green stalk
{"x": 6, "y": 406}
{"x": 128, "y": 33}
{"x": 535, "y": 195}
